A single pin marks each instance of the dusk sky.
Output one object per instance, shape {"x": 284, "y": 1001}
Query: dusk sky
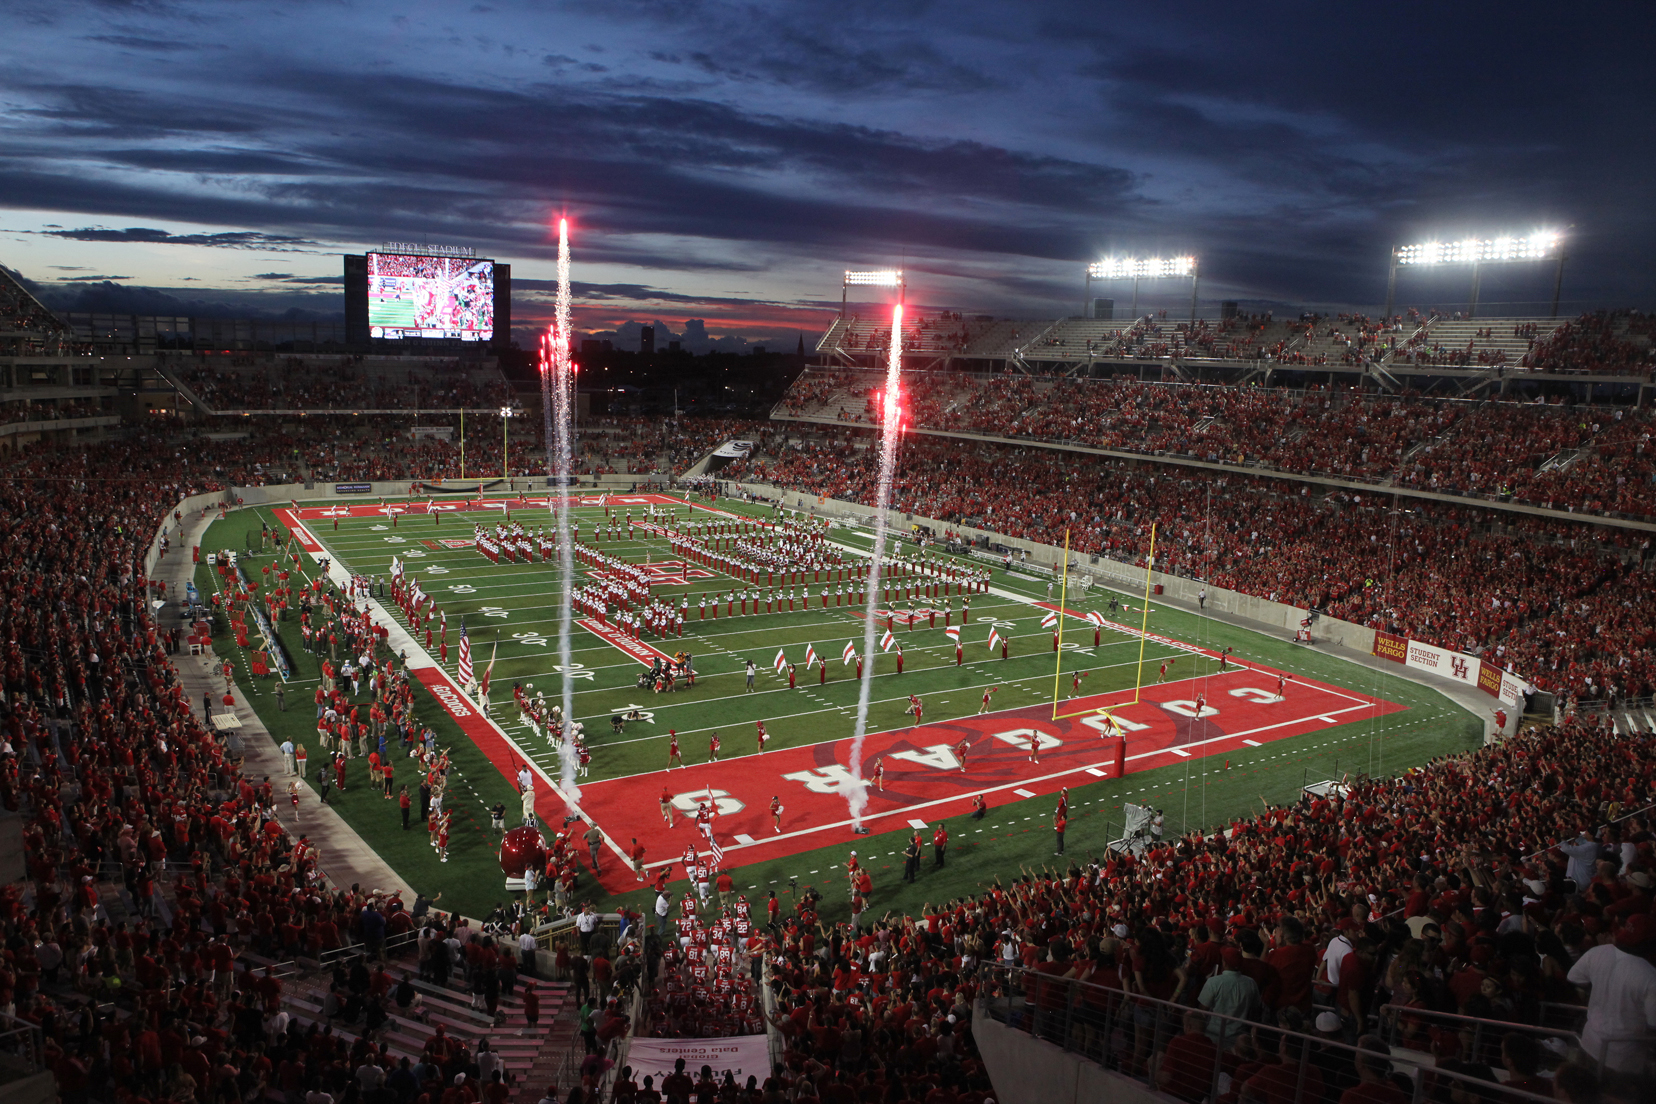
{"x": 727, "y": 161}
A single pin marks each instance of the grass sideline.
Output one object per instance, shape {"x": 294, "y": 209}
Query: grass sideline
{"x": 1199, "y": 792}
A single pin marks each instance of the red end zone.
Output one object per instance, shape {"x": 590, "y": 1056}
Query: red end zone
{"x": 923, "y": 779}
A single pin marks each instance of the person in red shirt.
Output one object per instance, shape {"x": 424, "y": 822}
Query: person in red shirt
{"x": 1356, "y": 985}
{"x": 673, "y": 755}
{"x": 940, "y": 844}
{"x": 965, "y": 744}
{"x": 667, "y": 806}
{"x": 638, "y": 858}
{"x": 713, "y": 748}
{"x": 1293, "y": 1077}
{"x": 1296, "y": 964}
{"x": 1374, "y": 1072}
{"x": 1185, "y": 1068}
{"x": 776, "y": 813}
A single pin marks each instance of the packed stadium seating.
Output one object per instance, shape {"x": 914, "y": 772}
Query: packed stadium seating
{"x": 251, "y": 381}
{"x": 1538, "y": 453}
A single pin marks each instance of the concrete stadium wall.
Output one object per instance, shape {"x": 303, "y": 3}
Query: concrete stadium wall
{"x": 1026, "y": 1070}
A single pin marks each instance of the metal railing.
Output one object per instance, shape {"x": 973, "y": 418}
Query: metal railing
{"x": 1486, "y": 1034}
{"x": 21, "y": 1040}
{"x": 1182, "y": 1050}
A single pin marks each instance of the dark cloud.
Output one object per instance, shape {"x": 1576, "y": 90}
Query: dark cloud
{"x": 75, "y": 278}
{"x": 989, "y": 148}
{"x": 230, "y": 239}
{"x": 138, "y": 42}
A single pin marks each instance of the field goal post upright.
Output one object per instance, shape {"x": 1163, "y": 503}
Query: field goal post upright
{"x": 1108, "y": 711}
{"x": 1058, "y": 652}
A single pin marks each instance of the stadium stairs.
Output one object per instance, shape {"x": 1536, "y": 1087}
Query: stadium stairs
{"x": 533, "y": 1060}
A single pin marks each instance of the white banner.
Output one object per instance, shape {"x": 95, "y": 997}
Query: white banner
{"x": 742, "y": 1055}
{"x": 734, "y": 450}
{"x": 1441, "y": 661}
{"x": 1513, "y": 688}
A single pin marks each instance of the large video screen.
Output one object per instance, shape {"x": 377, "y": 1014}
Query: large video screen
{"x": 441, "y": 297}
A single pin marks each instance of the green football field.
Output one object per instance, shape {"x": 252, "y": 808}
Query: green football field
{"x": 510, "y": 611}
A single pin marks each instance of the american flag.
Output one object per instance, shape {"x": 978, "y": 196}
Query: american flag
{"x": 465, "y": 658}
{"x": 713, "y": 844}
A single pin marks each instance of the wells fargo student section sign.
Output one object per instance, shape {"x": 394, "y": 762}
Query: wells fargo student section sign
{"x": 1459, "y": 666}
{"x": 742, "y": 1055}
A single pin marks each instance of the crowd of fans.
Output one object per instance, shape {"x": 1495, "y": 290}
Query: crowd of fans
{"x": 46, "y": 410}
{"x": 1594, "y": 343}
{"x": 1515, "y": 450}
{"x": 277, "y": 382}
{"x": 1488, "y": 884}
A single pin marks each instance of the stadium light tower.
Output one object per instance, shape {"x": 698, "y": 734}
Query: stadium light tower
{"x": 1143, "y": 268}
{"x": 884, "y": 277}
{"x": 1542, "y": 245}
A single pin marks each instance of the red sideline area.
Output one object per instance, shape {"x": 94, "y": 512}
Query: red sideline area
{"x": 487, "y": 504}
{"x": 633, "y": 647}
{"x": 923, "y": 780}
{"x": 549, "y": 806}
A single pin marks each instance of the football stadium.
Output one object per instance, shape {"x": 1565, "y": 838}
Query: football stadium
{"x": 1180, "y": 699}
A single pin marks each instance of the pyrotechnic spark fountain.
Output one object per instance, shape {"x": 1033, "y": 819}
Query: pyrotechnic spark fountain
{"x": 890, "y": 423}
{"x": 557, "y": 386}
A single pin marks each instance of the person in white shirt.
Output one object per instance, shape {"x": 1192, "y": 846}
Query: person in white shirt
{"x": 1621, "y": 1004}
{"x": 1337, "y": 949}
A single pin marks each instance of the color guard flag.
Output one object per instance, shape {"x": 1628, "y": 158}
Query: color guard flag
{"x": 1049, "y": 620}
{"x": 1096, "y": 618}
{"x": 811, "y": 657}
{"x": 465, "y": 657}
{"x": 994, "y": 638}
{"x": 781, "y": 663}
{"x": 953, "y": 633}
{"x": 886, "y": 641}
{"x": 489, "y": 670}
{"x": 850, "y": 652}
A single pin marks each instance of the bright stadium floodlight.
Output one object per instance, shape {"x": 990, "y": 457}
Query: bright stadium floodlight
{"x": 1143, "y": 268}
{"x": 1541, "y": 245}
{"x": 880, "y": 277}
